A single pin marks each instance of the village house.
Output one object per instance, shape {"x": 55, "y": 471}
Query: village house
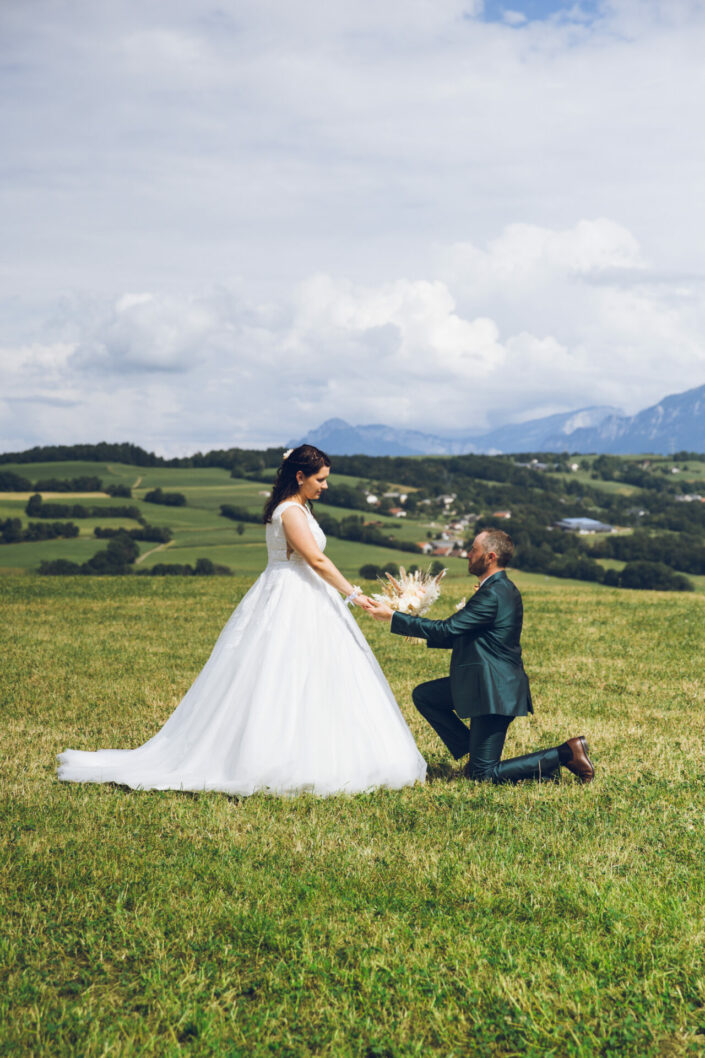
{"x": 533, "y": 464}
{"x": 445, "y": 546}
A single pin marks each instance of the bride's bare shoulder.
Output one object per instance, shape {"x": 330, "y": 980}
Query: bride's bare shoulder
{"x": 287, "y": 505}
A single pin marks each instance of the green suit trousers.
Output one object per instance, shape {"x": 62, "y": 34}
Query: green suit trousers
{"x": 483, "y": 740}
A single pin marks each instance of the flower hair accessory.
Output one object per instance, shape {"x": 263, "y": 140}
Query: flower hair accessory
{"x": 287, "y": 454}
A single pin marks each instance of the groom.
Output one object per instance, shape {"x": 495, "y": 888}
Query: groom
{"x": 487, "y": 681}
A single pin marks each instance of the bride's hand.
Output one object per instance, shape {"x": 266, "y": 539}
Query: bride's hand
{"x": 363, "y": 601}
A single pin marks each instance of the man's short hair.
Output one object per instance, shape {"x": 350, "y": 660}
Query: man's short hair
{"x": 501, "y": 543}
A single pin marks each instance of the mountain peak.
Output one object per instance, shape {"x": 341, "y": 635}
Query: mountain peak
{"x": 675, "y": 423}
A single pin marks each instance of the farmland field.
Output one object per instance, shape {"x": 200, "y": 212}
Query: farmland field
{"x": 199, "y": 529}
{"x": 449, "y": 919}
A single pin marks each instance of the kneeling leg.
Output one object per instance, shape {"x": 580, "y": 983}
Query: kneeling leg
{"x": 433, "y": 700}
{"x": 487, "y": 735}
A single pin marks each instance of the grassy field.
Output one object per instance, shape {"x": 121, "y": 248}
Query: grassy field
{"x": 199, "y": 528}
{"x": 452, "y": 919}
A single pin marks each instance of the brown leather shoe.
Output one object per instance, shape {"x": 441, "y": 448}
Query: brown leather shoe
{"x": 579, "y": 763}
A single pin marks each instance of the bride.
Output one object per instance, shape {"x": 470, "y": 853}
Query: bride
{"x": 291, "y": 698}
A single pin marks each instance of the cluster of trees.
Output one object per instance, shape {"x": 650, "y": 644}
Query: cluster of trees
{"x": 203, "y": 568}
{"x": 613, "y": 468}
{"x": 345, "y": 496}
{"x": 249, "y": 462}
{"x": 239, "y": 514}
{"x": 651, "y": 576}
{"x": 103, "y": 452}
{"x": 353, "y": 527}
{"x": 86, "y": 483}
{"x": 167, "y": 499}
{"x": 438, "y": 474}
{"x": 684, "y": 552}
{"x": 573, "y": 566}
{"x": 370, "y": 571}
{"x": 118, "y": 558}
{"x": 159, "y": 533}
{"x": 12, "y": 532}
{"x": 243, "y": 463}
{"x": 11, "y": 482}
{"x": 561, "y": 554}
{"x": 678, "y": 517}
{"x": 37, "y": 508}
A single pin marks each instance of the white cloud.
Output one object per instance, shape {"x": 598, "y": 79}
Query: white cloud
{"x": 354, "y": 209}
{"x": 148, "y": 333}
{"x": 514, "y": 18}
{"x": 537, "y": 321}
{"x": 424, "y": 334}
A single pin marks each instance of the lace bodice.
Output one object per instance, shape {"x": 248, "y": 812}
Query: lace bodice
{"x": 276, "y": 537}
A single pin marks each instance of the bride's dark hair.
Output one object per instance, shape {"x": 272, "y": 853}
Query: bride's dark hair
{"x": 306, "y": 458}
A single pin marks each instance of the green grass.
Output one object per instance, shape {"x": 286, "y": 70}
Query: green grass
{"x": 621, "y": 488}
{"x": 452, "y": 919}
{"x": 199, "y": 529}
{"x": 109, "y": 473}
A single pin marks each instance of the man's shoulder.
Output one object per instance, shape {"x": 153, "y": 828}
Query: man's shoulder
{"x": 502, "y": 585}
{"x": 500, "y": 580}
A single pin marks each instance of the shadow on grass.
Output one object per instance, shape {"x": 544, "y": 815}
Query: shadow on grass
{"x": 443, "y": 771}
{"x": 193, "y": 795}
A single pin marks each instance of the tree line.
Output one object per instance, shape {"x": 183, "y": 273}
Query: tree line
{"x": 12, "y": 531}
{"x": 118, "y": 559}
{"x": 351, "y": 528}
{"x": 159, "y": 533}
{"x": 11, "y": 482}
{"x": 564, "y": 554}
{"x": 37, "y": 508}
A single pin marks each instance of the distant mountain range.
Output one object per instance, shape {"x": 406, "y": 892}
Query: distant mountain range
{"x": 677, "y": 423}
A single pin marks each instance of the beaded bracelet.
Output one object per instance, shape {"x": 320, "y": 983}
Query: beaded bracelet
{"x": 353, "y": 594}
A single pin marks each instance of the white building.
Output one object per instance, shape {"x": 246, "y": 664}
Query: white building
{"x": 584, "y": 525}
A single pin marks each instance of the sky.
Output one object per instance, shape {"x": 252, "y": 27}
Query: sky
{"x": 223, "y": 223}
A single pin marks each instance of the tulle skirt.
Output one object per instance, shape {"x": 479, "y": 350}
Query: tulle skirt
{"x": 291, "y": 699}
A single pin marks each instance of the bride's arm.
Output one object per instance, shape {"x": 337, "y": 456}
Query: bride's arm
{"x": 300, "y": 539}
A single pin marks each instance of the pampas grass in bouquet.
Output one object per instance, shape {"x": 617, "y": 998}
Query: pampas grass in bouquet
{"x": 412, "y": 593}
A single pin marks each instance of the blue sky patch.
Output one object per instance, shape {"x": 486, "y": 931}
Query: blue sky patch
{"x": 518, "y": 12}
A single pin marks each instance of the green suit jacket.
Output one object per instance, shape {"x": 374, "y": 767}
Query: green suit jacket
{"x": 486, "y": 671}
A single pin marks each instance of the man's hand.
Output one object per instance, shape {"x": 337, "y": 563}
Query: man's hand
{"x": 380, "y": 611}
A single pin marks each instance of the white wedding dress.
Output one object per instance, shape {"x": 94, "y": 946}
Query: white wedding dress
{"x": 291, "y": 699}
